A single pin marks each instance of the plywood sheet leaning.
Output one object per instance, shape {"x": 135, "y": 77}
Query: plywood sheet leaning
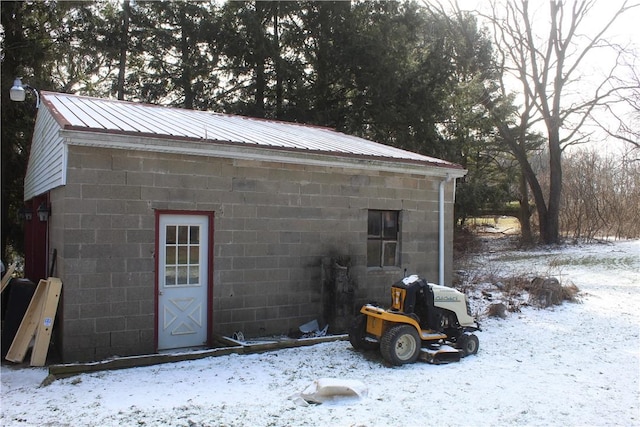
{"x": 38, "y": 322}
{"x": 28, "y": 326}
{"x": 45, "y": 325}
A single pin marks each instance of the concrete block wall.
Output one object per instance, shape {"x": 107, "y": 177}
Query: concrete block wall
{"x": 274, "y": 223}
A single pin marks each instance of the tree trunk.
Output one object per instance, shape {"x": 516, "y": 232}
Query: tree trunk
{"x": 277, "y": 60}
{"x": 520, "y": 153}
{"x": 259, "y": 58}
{"x": 186, "y": 61}
{"x": 322, "y": 67}
{"x": 124, "y": 44}
{"x": 526, "y": 236}
{"x": 552, "y": 225}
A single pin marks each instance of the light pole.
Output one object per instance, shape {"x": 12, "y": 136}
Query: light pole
{"x": 18, "y": 93}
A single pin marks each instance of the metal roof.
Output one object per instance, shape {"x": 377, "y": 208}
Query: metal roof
{"x": 81, "y": 113}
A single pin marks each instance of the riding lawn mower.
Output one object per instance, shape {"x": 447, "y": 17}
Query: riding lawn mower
{"x": 425, "y": 321}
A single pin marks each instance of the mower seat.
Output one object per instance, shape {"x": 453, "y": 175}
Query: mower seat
{"x": 418, "y": 301}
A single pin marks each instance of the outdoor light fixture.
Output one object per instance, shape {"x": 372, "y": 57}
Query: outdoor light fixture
{"x": 43, "y": 212}
{"x": 25, "y": 213}
{"x": 18, "y": 92}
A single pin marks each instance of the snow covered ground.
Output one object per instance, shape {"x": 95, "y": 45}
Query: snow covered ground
{"x": 575, "y": 364}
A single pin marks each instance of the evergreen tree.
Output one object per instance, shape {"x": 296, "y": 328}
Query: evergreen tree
{"x": 178, "y": 38}
{"x": 27, "y": 52}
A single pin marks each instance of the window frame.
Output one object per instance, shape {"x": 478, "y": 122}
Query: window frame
{"x": 382, "y": 239}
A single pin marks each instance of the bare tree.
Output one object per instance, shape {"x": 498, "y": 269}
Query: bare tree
{"x": 601, "y": 195}
{"x": 624, "y": 123}
{"x": 548, "y": 70}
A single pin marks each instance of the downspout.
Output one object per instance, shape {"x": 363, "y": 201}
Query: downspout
{"x": 441, "y": 191}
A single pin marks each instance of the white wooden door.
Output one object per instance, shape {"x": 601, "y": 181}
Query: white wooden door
{"x": 182, "y": 281}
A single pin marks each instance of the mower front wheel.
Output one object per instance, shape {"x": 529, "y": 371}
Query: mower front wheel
{"x": 400, "y": 344}
{"x": 468, "y": 343}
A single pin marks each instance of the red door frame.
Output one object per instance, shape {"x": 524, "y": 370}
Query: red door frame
{"x": 210, "y": 216}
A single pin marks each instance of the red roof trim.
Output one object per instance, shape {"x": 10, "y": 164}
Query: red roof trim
{"x": 53, "y": 110}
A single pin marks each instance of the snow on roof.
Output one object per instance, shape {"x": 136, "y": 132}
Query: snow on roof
{"x": 73, "y": 112}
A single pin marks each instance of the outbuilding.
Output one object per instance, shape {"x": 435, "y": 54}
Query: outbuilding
{"x": 168, "y": 226}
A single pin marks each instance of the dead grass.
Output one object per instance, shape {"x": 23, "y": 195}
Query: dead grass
{"x": 494, "y": 226}
{"x": 495, "y": 294}
{"x": 519, "y": 291}
{"x": 497, "y": 310}
{"x": 545, "y": 292}
{"x": 465, "y": 242}
{"x": 570, "y": 293}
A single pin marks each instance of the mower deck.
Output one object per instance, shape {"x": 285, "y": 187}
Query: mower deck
{"x": 439, "y": 354}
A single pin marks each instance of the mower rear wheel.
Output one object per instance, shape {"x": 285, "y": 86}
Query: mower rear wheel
{"x": 358, "y": 333}
{"x": 400, "y": 344}
{"x": 468, "y": 343}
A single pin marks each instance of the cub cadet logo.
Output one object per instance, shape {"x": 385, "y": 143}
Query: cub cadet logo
{"x": 446, "y": 299}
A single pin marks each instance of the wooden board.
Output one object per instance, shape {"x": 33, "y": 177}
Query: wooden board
{"x": 7, "y": 276}
{"x": 28, "y": 326}
{"x": 45, "y": 326}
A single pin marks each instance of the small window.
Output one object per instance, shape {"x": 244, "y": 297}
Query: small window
{"x": 382, "y": 239}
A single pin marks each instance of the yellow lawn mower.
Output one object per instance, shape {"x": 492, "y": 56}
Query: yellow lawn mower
{"x": 425, "y": 321}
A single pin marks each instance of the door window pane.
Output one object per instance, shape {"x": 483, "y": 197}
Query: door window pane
{"x": 194, "y": 235}
{"x": 194, "y": 255}
{"x": 183, "y": 234}
{"x": 194, "y": 275}
{"x": 182, "y": 255}
{"x": 170, "y": 255}
{"x": 170, "y": 276}
{"x": 171, "y": 234}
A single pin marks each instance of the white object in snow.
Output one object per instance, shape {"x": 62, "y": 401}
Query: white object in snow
{"x": 311, "y": 326}
{"x": 324, "y": 389}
